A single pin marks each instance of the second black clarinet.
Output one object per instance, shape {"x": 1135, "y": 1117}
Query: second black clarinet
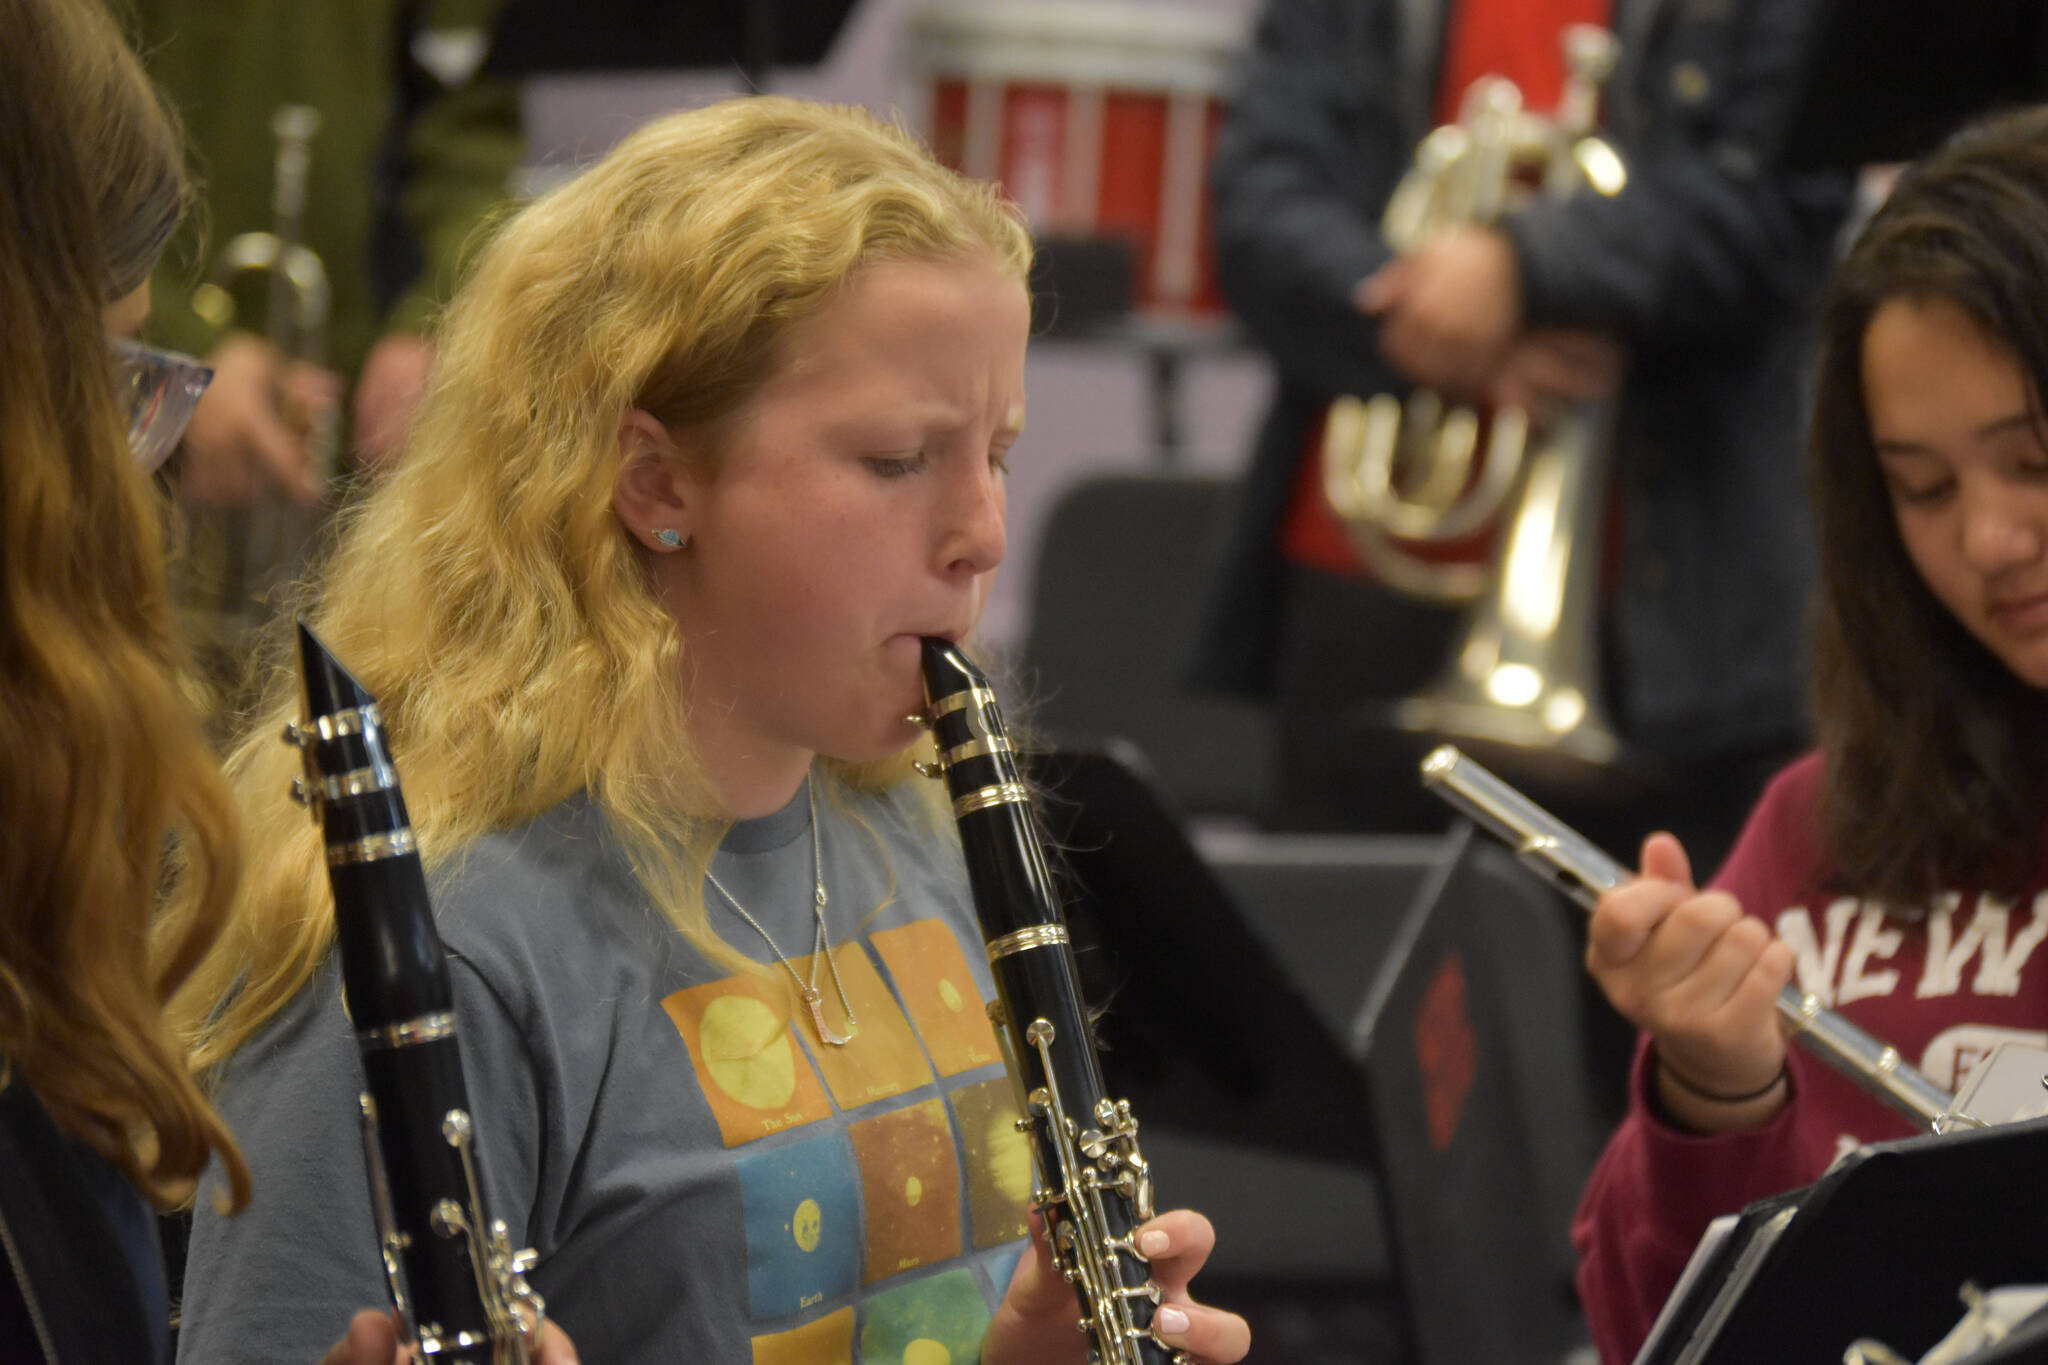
{"x": 1092, "y": 1186}
{"x": 459, "y": 1288}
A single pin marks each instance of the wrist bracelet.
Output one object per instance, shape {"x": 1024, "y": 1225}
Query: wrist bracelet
{"x": 1672, "y": 1074}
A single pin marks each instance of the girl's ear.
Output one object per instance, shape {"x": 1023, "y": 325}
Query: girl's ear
{"x": 654, "y": 496}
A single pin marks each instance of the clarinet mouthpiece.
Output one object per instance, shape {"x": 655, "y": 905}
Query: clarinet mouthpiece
{"x": 330, "y": 688}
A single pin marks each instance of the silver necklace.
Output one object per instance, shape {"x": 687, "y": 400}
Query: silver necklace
{"x": 821, "y": 945}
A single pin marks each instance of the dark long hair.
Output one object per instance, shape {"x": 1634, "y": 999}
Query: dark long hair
{"x": 101, "y": 757}
{"x": 1933, "y": 775}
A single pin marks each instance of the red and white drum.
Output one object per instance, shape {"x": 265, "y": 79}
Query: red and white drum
{"x": 1098, "y": 119}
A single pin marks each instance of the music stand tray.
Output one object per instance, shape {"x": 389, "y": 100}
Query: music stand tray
{"x": 1875, "y": 1248}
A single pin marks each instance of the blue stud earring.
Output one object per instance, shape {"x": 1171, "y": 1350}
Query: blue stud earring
{"x": 670, "y": 538}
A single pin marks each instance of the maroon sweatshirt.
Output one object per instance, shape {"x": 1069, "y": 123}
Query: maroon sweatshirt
{"x": 1944, "y": 984}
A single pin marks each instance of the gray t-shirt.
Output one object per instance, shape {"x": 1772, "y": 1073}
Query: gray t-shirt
{"x": 703, "y": 1179}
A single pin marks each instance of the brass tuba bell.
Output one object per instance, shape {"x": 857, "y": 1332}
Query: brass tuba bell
{"x": 1524, "y": 681}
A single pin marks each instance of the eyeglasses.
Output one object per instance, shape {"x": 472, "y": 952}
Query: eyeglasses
{"x": 158, "y": 389}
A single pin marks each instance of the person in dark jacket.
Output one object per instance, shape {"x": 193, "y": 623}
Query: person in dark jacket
{"x": 1684, "y": 300}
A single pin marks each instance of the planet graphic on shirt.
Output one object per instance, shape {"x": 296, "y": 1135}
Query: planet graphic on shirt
{"x": 806, "y": 1226}
{"x": 950, "y": 995}
{"x": 1009, "y": 1157}
{"x": 747, "y": 1051}
{"x": 913, "y": 1191}
{"x": 925, "y": 1351}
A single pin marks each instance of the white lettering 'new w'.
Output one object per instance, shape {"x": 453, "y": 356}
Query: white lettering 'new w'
{"x": 1989, "y": 938}
{"x": 1817, "y": 966}
{"x": 1872, "y": 940}
{"x": 1999, "y": 954}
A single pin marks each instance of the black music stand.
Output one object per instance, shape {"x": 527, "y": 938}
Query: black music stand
{"x": 1459, "y": 1089}
{"x": 1877, "y": 1248}
{"x": 1200, "y": 1021}
{"x": 1470, "y": 1042}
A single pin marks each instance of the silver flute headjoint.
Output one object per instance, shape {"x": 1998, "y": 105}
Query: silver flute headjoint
{"x": 1579, "y": 869}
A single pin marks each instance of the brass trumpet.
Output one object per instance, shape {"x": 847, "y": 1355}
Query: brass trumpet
{"x": 1402, "y": 471}
{"x": 297, "y": 293}
{"x": 238, "y": 556}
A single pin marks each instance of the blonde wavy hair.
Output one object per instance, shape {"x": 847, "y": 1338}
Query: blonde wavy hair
{"x": 101, "y": 758}
{"x": 485, "y": 590}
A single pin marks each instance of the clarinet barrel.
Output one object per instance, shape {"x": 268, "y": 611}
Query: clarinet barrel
{"x": 1091, "y": 1184}
{"x": 459, "y": 1289}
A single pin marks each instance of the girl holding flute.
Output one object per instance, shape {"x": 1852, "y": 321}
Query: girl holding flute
{"x": 1901, "y": 872}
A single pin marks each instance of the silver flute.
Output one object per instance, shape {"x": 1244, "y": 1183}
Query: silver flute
{"x": 1581, "y": 871}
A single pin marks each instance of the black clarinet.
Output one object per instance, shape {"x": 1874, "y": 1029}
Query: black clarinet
{"x": 1090, "y": 1184}
{"x": 459, "y": 1288}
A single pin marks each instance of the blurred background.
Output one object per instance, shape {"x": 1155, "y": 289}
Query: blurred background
{"x": 1094, "y": 400}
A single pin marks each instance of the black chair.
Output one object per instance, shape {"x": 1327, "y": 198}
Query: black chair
{"x": 1116, "y": 605}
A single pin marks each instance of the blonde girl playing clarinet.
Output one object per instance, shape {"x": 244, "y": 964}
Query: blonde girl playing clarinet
{"x": 719, "y": 433}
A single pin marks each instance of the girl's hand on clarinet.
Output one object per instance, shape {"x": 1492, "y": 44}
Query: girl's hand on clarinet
{"x": 1178, "y": 1245}
{"x": 1702, "y": 978}
{"x": 1036, "y": 1320}
{"x": 373, "y": 1340}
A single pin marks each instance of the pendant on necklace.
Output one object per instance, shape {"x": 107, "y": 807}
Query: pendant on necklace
{"x": 816, "y": 1002}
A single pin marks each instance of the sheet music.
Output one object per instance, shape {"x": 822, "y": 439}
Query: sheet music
{"x": 1991, "y": 1317}
{"x": 2008, "y": 1086}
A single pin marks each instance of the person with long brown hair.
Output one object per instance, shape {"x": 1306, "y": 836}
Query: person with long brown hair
{"x": 100, "y": 757}
{"x": 1900, "y": 872}
{"x": 103, "y": 765}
